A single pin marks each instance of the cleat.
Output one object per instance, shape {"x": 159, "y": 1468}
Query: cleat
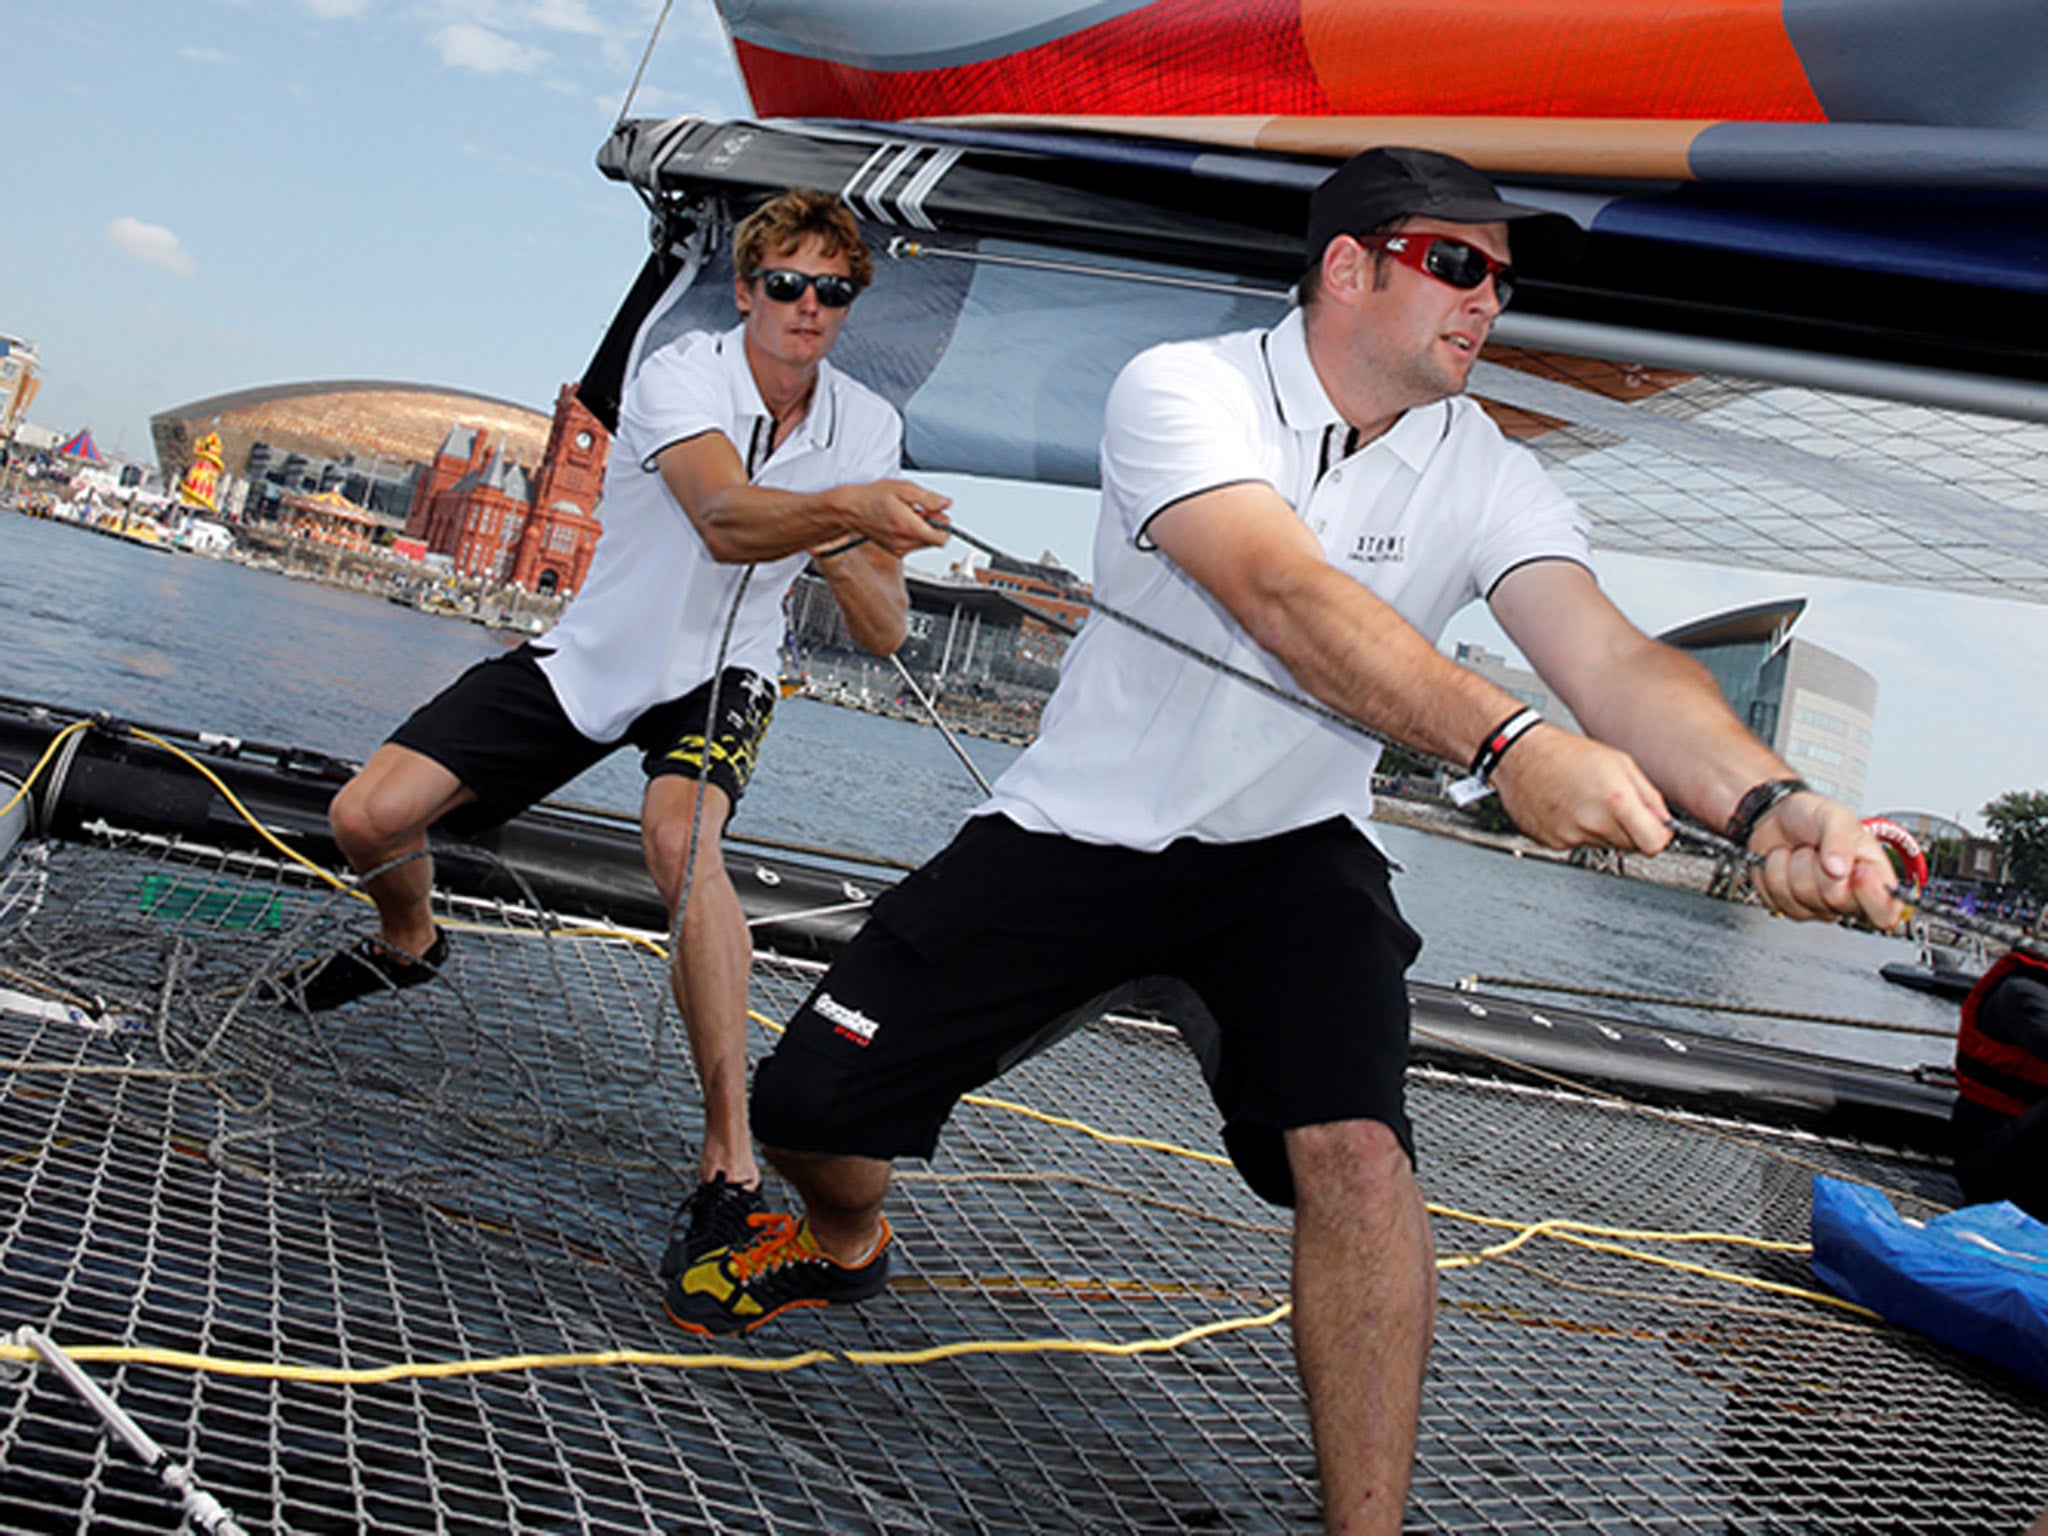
{"x": 736, "y": 1290}
{"x": 364, "y": 967}
{"x": 715, "y": 1216}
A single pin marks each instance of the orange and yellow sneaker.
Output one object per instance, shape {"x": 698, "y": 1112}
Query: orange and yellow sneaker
{"x": 780, "y": 1266}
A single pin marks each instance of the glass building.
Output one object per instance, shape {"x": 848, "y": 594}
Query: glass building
{"x": 1812, "y": 707}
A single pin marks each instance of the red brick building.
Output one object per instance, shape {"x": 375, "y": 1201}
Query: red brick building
{"x": 501, "y": 523}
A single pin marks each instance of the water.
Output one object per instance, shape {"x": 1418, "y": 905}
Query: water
{"x": 174, "y": 639}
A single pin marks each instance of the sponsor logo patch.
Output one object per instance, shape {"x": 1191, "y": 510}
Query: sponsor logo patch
{"x": 850, "y": 1022}
{"x": 1380, "y": 548}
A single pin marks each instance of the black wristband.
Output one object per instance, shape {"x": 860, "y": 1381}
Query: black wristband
{"x": 839, "y": 549}
{"x": 1499, "y": 739}
{"x": 1757, "y": 804}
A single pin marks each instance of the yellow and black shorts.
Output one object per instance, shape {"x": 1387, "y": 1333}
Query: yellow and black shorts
{"x": 500, "y": 729}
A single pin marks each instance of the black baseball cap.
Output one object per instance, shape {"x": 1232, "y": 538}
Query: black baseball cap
{"x": 1396, "y": 181}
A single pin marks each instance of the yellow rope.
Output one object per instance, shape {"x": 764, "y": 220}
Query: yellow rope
{"x": 244, "y": 812}
{"x": 43, "y": 762}
{"x": 365, "y": 1376}
{"x": 1608, "y": 1240}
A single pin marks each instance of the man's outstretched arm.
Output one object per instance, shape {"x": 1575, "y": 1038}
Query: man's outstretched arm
{"x": 741, "y": 522}
{"x": 1350, "y": 650}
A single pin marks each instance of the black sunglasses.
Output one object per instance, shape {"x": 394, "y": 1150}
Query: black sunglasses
{"x": 1447, "y": 259}
{"x": 786, "y": 287}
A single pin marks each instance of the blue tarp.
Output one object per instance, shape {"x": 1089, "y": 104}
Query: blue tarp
{"x": 1976, "y": 1279}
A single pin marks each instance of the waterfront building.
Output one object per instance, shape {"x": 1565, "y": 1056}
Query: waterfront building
{"x": 499, "y": 523}
{"x": 367, "y": 439}
{"x": 1043, "y": 585}
{"x": 510, "y": 495}
{"x": 1812, "y": 707}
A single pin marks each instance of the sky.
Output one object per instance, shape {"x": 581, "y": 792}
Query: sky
{"x": 211, "y": 195}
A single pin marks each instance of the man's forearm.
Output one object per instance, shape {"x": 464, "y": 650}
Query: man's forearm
{"x": 745, "y": 523}
{"x": 867, "y": 583}
{"x": 1351, "y": 651}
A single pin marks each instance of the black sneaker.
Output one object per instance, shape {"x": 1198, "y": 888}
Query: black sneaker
{"x": 715, "y": 1216}
{"x": 366, "y": 966}
{"x": 736, "y": 1290}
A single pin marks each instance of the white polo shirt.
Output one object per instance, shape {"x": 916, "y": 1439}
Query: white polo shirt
{"x": 646, "y": 626}
{"x": 1140, "y": 745}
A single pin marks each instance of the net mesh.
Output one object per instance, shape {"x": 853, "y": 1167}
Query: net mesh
{"x": 1732, "y": 472}
{"x": 483, "y": 1170}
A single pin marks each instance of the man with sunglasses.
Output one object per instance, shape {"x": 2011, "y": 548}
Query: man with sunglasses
{"x": 1310, "y": 504}
{"x": 740, "y": 456}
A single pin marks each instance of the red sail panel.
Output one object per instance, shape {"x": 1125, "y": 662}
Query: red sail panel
{"x": 1727, "y": 59}
{"x": 1698, "y": 59}
{"x": 1173, "y": 56}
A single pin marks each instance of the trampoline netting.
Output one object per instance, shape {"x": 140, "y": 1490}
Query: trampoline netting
{"x": 413, "y": 1241}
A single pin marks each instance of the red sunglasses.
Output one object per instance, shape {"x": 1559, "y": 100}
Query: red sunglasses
{"x": 1447, "y": 259}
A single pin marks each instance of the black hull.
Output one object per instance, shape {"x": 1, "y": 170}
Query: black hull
{"x": 1939, "y": 980}
{"x": 588, "y": 864}
{"x": 573, "y": 861}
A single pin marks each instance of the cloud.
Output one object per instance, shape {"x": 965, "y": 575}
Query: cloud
{"x": 567, "y": 16}
{"x": 150, "y": 244}
{"x": 203, "y": 55}
{"x": 467, "y": 46}
{"x": 336, "y": 10}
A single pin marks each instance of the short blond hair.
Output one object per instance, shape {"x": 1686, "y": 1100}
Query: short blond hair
{"x": 785, "y": 222}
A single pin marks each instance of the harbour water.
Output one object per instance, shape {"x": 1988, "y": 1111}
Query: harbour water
{"x": 95, "y": 624}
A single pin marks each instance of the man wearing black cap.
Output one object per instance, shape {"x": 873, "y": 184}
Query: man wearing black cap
{"x": 1309, "y": 504}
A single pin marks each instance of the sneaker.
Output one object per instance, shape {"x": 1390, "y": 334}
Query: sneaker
{"x": 715, "y": 1216}
{"x": 736, "y": 1290}
{"x": 366, "y": 966}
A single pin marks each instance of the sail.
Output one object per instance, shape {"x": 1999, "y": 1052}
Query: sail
{"x": 1906, "y": 61}
{"x": 1810, "y": 332}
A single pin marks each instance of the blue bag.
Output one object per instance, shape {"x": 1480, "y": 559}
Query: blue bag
{"x": 1976, "y": 1279}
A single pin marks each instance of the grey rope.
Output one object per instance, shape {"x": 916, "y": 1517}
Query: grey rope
{"x": 675, "y": 932}
{"x": 648, "y": 53}
{"x": 932, "y": 710}
{"x": 1692, "y": 834}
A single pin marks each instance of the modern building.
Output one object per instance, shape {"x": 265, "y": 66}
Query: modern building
{"x": 1815, "y": 709}
{"x": 370, "y": 440}
{"x": 1043, "y": 585}
{"x": 505, "y": 494}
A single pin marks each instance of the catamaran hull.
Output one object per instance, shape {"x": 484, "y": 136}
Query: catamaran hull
{"x": 584, "y": 864}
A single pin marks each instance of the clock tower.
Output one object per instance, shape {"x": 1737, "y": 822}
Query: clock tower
{"x": 560, "y": 536}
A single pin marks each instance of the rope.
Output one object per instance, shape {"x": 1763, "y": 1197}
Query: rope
{"x": 932, "y": 710}
{"x": 646, "y": 54}
{"x": 1682, "y": 831}
{"x": 1617, "y": 995}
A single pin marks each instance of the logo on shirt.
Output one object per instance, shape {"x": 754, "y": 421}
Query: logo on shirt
{"x": 1380, "y": 549}
{"x": 849, "y": 1022}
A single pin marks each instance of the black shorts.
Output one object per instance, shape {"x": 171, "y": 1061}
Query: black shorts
{"x": 501, "y": 731}
{"x": 1281, "y": 961}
